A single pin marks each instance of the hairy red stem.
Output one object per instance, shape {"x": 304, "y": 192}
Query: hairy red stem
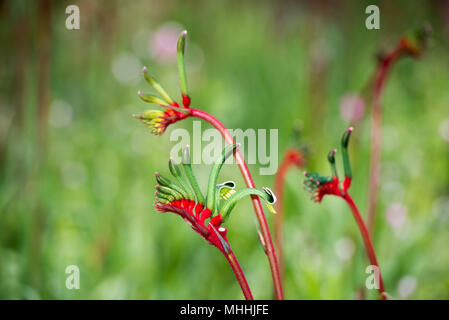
{"x": 376, "y": 135}
{"x": 366, "y": 240}
{"x": 239, "y": 275}
{"x": 279, "y": 219}
{"x": 292, "y": 157}
{"x": 265, "y": 232}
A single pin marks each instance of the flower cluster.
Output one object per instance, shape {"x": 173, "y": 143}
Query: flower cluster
{"x": 157, "y": 120}
{"x": 204, "y": 214}
{"x": 319, "y": 185}
{"x": 415, "y": 43}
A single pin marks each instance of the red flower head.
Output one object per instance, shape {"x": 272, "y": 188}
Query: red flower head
{"x": 156, "y": 120}
{"x": 415, "y": 43}
{"x": 206, "y": 217}
{"x": 320, "y": 185}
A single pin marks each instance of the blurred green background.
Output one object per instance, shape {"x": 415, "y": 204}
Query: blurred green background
{"x": 77, "y": 171}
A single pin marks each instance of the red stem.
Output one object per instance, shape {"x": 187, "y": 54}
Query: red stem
{"x": 376, "y": 135}
{"x": 239, "y": 275}
{"x": 366, "y": 239}
{"x": 268, "y": 243}
{"x": 291, "y": 157}
{"x": 279, "y": 218}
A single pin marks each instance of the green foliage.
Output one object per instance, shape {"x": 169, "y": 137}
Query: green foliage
{"x": 85, "y": 197}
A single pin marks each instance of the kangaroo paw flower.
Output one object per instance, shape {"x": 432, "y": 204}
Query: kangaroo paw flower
{"x": 205, "y": 215}
{"x": 158, "y": 121}
{"x": 319, "y": 185}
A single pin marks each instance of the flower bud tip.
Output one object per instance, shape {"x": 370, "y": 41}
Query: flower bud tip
{"x": 144, "y": 69}
{"x": 139, "y": 93}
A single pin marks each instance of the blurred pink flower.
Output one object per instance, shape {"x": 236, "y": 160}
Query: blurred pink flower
{"x": 162, "y": 43}
{"x": 352, "y": 108}
{"x": 397, "y": 215}
{"x": 406, "y": 287}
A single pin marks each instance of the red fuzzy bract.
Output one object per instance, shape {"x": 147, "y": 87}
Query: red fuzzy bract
{"x": 295, "y": 157}
{"x": 185, "y": 100}
{"x": 170, "y": 116}
{"x": 327, "y": 188}
{"x": 195, "y": 214}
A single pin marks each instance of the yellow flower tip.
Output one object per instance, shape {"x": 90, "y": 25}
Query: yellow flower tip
{"x": 153, "y": 114}
{"x": 226, "y": 193}
{"x": 271, "y": 208}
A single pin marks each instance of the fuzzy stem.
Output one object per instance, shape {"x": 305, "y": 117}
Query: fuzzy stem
{"x": 265, "y": 232}
{"x": 230, "y": 257}
{"x": 292, "y": 157}
{"x": 279, "y": 218}
{"x": 232, "y": 260}
{"x": 376, "y": 135}
{"x": 366, "y": 239}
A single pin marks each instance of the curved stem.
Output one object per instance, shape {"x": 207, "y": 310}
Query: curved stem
{"x": 279, "y": 218}
{"x": 239, "y": 275}
{"x": 232, "y": 260}
{"x": 366, "y": 239}
{"x": 268, "y": 243}
{"x": 292, "y": 157}
{"x": 376, "y": 135}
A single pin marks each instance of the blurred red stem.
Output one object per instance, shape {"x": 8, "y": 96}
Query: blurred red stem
{"x": 268, "y": 243}
{"x": 376, "y": 135}
{"x": 279, "y": 182}
{"x": 239, "y": 275}
{"x": 366, "y": 239}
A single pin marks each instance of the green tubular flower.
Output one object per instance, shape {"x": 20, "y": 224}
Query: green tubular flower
{"x": 266, "y": 194}
{"x": 150, "y": 98}
{"x": 169, "y": 191}
{"x": 152, "y": 82}
{"x": 344, "y": 152}
{"x": 190, "y": 176}
{"x": 176, "y": 172}
{"x": 167, "y": 183}
{"x": 227, "y": 151}
{"x": 331, "y": 159}
{"x": 165, "y": 196}
{"x": 223, "y": 191}
{"x": 181, "y": 65}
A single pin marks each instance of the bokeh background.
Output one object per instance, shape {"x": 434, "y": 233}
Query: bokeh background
{"x": 77, "y": 171}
